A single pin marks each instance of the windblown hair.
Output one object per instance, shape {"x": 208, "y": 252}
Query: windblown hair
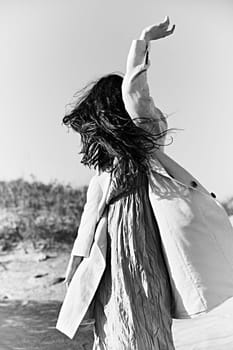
{"x": 110, "y": 139}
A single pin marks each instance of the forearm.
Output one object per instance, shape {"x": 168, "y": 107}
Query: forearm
{"x": 135, "y": 89}
{"x": 145, "y": 36}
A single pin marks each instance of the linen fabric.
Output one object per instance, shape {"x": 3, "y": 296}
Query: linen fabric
{"x": 133, "y": 300}
{"x": 196, "y": 234}
{"x": 197, "y": 238}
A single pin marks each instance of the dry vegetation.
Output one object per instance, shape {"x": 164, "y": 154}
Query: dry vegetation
{"x": 48, "y": 213}
{"x": 38, "y": 212}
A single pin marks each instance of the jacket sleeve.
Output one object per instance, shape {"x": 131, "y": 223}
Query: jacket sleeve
{"x": 135, "y": 91}
{"x": 86, "y": 231}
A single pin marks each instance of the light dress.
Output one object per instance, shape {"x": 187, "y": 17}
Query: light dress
{"x": 132, "y": 303}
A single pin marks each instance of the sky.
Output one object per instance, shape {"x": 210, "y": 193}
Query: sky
{"x": 52, "y": 48}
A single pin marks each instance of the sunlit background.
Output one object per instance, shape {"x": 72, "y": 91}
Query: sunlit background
{"x": 49, "y": 49}
{"x": 52, "y": 48}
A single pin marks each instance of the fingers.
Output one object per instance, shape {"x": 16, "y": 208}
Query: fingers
{"x": 67, "y": 283}
{"x": 158, "y": 31}
{"x": 169, "y": 32}
{"x": 165, "y": 23}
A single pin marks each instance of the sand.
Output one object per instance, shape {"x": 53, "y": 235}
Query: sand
{"x": 33, "y": 278}
{"x": 29, "y": 274}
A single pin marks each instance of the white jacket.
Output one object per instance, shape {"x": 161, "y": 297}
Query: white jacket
{"x": 196, "y": 234}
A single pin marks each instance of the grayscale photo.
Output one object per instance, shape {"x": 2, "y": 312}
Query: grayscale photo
{"x": 116, "y": 179}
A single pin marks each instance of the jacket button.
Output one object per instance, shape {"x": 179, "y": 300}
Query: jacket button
{"x": 193, "y": 184}
{"x": 213, "y": 194}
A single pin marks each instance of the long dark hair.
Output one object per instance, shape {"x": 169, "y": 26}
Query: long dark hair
{"x": 110, "y": 139}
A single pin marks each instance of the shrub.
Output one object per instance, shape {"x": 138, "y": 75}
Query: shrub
{"x": 37, "y": 211}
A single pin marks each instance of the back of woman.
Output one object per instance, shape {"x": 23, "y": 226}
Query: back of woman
{"x": 120, "y": 129}
{"x": 132, "y": 303}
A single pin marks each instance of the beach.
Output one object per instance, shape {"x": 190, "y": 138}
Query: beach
{"x": 30, "y": 298}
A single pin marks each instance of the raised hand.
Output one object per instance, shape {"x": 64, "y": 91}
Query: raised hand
{"x": 157, "y": 31}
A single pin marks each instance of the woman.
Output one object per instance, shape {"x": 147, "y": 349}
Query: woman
{"x": 120, "y": 128}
